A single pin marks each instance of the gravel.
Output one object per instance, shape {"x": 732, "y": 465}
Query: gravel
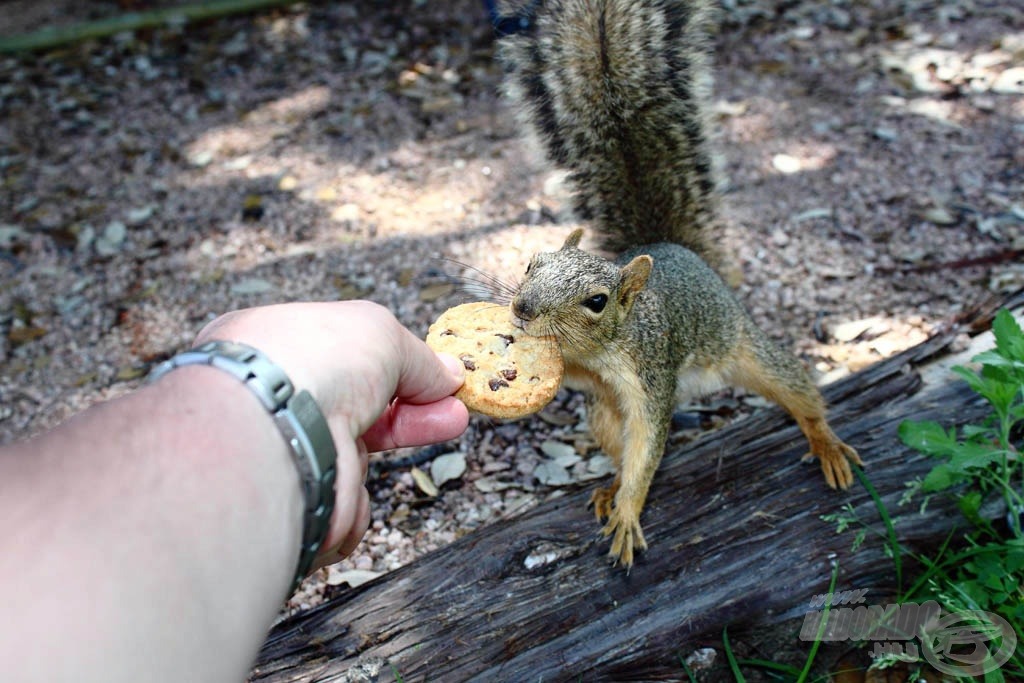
{"x": 873, "y": 185}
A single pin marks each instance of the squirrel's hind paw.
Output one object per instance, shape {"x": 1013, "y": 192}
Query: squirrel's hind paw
{"x": 601, "y": 500}
{"x": 835, "y": 458}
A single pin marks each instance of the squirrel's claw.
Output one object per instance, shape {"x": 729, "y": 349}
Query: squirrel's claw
{"x": 626, "y": 535}
{"x": 601, "y": 500}
{"x": 835, "y": 458}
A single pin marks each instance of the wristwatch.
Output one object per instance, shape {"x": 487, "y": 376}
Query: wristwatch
{"x": 297, "y": 417}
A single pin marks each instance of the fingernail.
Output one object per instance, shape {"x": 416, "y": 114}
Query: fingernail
{"x": 454, "y": 365}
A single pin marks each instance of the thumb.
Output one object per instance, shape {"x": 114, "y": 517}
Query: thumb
{"x": 426, "y": 376}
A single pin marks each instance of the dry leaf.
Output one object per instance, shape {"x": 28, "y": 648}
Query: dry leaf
{"x": 447, "y": 467}
{"x": 23, "y": 334}
{"x": 353, "y": 577}
{"x": 551, "y": 473}
{"x": 423, "y": 482}
{"x": 436, "y": 291}
{"x": 561, "y": 453}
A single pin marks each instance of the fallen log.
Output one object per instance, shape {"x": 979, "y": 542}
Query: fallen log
{"x": 734, "y": 528}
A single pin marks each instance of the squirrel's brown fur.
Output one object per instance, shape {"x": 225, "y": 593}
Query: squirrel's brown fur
{"x": 615, "y": 89}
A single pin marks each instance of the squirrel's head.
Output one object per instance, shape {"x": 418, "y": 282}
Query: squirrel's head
{"x": 579, "y": 298}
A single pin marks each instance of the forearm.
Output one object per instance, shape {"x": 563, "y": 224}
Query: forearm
{"x": 177, "y": 513}
{"x": 154, "y": 537}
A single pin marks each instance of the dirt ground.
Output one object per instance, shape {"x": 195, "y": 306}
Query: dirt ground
{"x": 872, "y": 158}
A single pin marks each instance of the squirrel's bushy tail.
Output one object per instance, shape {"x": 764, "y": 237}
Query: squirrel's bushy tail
{"x": 616, "y": 91}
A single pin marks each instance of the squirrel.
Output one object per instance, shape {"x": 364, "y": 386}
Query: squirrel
{"x": 616, "y": 92}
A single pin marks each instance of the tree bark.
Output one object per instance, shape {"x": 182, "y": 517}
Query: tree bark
{"x": 735, "y": 534}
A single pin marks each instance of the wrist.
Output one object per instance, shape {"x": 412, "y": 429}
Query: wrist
{"x": 245, "y": 482}
{"x": 299, "y": 423}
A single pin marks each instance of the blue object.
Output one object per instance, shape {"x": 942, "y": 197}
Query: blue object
{"x": 507, "y": 25}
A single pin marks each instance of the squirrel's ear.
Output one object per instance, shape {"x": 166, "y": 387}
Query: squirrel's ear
{"x": 573, "y": 241}
{"x": 634, "y": 276}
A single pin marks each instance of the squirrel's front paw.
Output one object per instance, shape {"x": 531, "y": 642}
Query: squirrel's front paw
{"x": 835, "y": 459}
{"x": 624, "y": 528}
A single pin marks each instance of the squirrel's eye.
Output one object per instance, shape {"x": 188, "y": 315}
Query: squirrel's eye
{"x": 596, "y": 303}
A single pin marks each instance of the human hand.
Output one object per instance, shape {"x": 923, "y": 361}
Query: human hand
{"x": 377, "y": 384}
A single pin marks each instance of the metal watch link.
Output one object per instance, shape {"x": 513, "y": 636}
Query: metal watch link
{"x": 299, "y": 420}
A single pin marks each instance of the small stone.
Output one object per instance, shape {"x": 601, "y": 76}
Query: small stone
{"x": 346, "y": 213}
{"x": 939, "y": 215}
{"x": 85, "y": 235}
{"x": 238, "y": 164}
{"x": 703, "y": 658}
{"x": 326, "y": 194}
{"x": 11, "y": 235}
{"x": 784, "y": 163}
{"x": 201, "y": 158}
{"x": 1010, "y": 82}
{"x": 140, "y": 215}
{"x": 112, "y": 239}
{"x": 780, "y": 238}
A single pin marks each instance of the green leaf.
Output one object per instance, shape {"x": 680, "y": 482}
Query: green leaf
{"x": 1009, "y": 337}
{"x": 970, "y": 504}
{"x": 928, "y": 438}
{"x": 993, "y": 674}
{"x": 997, "y": 360}
{"x": 993, "y": 384}
{"x": 940, "y": 478}
{"x": 970, "y": 431}
{"x": 972, "y": 378}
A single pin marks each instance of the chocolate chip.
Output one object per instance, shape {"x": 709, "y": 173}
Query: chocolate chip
{"x": 447, "y": 333}
{"x": 467, "y": 361}
{"x": 507, "y": 337}
{"x": 496, "y": 383}
{"x": 509, "y": 373}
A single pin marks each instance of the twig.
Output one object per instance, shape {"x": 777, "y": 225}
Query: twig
{"x": 55, "y": 36}
{"x": 994, "y": 258}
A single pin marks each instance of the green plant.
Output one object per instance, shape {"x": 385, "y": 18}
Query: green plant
{"x": 781, "y": 672}
{"x": 984, "y": 457}
{"x": 980, "y": 569}
{"x": 981, "y": 465}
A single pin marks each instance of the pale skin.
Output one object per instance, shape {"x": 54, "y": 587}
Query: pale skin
{"x": 154, "y": 537}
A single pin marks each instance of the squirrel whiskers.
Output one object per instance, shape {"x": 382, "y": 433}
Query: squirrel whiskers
{"x": 482, "y": 282}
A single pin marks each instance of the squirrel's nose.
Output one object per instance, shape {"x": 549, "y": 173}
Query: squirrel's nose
{"x": 522, "y": 309}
